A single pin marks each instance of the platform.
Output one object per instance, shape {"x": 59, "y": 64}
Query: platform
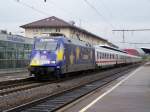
{"x": 6, "y": 75}
{"x": 130, "y": 94}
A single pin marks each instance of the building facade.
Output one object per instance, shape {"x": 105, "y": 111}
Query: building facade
{"x": 14, "y": 51}
{"x": 56, "y": 26}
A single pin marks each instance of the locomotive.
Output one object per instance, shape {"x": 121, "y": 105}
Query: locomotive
{"x": 59, "y": 55}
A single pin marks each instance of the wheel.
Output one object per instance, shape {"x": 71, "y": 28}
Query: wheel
{"x": 57, "y": 73}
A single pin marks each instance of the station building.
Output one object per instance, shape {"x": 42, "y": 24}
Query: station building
{"x": 14, "y": 51}
{"x": 56, "y": 26}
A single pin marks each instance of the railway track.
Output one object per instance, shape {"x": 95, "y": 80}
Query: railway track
{"x": 8, "y": 87}
{"x": 11, "y": 83}
{"x": 54, "y": 102}
{"x": 17, "y": 88}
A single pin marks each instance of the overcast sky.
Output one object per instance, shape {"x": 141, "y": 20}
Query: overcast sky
{"x": 110, "y": 15}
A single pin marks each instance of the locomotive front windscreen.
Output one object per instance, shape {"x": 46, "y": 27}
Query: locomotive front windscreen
{"x": 46, "y": 45}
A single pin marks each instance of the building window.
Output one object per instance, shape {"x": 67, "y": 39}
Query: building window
{"x": 57, "y": 29}
{"x": 14, "y": 55}
{"x": 35, "y": 30}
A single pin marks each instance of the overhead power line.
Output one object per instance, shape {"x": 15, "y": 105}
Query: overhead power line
{"x": 19, "y": 0}
{"x": 31, "y": 7}
{"x": 107, "y": 9}
{"x": 134, "y": 30}
{"x": 136, "y": 42}
{"x": 95, "y": 9}
{"x": 123, "y": 32}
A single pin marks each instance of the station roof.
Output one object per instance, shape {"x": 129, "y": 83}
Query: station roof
{"x": 132, "y": 52}
{"x": 15, "y": 38}
{"x": 56, "y": 22}
{"x": 146, "y": 50}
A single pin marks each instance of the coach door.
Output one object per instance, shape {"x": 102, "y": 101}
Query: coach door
{"x": 67, "y": 57}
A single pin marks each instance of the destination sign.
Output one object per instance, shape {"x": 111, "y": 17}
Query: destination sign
{"x": 15, "y": 38}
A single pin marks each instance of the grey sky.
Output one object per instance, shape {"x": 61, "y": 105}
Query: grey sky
{"x": 123, "y": 14}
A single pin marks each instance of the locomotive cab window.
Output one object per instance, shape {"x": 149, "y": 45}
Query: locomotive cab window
{"x": 46, "y": 45}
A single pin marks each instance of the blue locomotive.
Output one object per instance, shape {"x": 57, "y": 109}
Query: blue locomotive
{"x": 55, "y": 56}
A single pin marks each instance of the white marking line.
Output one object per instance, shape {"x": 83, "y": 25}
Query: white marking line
{"x": 107, "y": 92}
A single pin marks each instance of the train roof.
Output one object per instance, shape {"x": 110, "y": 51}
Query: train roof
{"x": 113, "y": 50}
{"x": 110, "y": 48}
{"x": 67, "y": 40}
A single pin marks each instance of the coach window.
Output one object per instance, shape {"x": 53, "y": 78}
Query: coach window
{"x": 97, "y": 55}
{"x": 100, "y": 55}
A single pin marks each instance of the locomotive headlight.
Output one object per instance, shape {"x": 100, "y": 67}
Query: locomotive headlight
{"x": 48, "y": 62}
{"x": 53, "y": 62}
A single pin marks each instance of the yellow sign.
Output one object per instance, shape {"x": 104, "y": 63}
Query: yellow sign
{"x": 60, "y": 54}
{"x": 77, "y": 53}
{"x": 71, "y": 58}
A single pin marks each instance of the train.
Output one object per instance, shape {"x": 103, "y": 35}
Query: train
{"x": 57, "y": 56}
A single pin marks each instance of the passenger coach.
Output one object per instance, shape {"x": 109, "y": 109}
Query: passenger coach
{"x": 106, "y": 56}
